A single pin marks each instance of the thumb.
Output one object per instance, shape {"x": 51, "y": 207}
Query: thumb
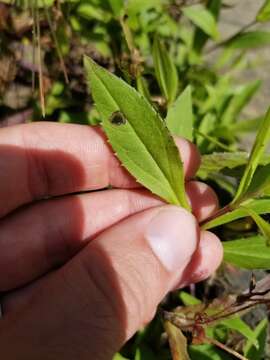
{"x": 140, "y": 260}
{"x": 97, "y": 301}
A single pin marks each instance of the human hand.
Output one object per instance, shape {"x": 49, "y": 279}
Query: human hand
{"x": 81, "y": 273}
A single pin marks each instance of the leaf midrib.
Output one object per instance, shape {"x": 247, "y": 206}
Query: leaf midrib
{"x": 144, "y": 145}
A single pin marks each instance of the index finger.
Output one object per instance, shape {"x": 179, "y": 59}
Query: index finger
{"x": 47, "y": 159}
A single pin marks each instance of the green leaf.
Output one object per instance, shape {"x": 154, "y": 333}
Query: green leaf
{"x": 136, "y": 6}
{"x": 165, "y": 70}
{"x": 138, "y": 135}
{"x": 263, "y": 225}
{"x": 248, "y": 253}
{"x": 224, "y": 182}
{"x": 200, "y": 37}
{"x": 264, "y": 12}
{"x": 260, "y": 206}
{"x": 260, "y": 184}
{"x": 207, "y": 352}
{"x": 206, "y": 126}
{"x": 143, "y": 352}
{"x": 239, "y": 101}
{"x": 203, "y": 19}
{"x": 119, "y": 357}
{"x": 188, "y": 299}
{"x": 237, "y": 324}
{"x": 91, "y": 12}
{"x": 180, "y": 115}
{"x": 248, "y": 125}
{"x": 261, "y": 333}
{"x": 258, "y": 149}
{"x": 216, "y": 162}
{"x": 250, "y": 40}
{"x": 116, "y": 6}
{"x": 142, "y": 87}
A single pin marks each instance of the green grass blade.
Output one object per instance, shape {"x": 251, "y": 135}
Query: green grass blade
{"x": 263, "y": 225}
{"x": 260, "y": 184}
{"x": 180, "y": 115}
{"x": 261, "y": 333}
{"x": 165, "y": 70}
{"x": 239, "y": 101}
{"x": 258, "y": 150}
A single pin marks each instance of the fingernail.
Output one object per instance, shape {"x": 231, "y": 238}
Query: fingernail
{"x": 172, "y": 234}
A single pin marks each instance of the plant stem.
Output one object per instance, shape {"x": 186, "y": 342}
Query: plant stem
{"x": 225, "y": 348}
{"x": 204, "y": 224}
{"x": 58, "y": 49}
{"x": 213, "y": 140}
{"x": 40, "y": 71}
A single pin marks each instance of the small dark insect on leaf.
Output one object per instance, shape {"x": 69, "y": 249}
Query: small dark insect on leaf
{"x": 117, "y": 118}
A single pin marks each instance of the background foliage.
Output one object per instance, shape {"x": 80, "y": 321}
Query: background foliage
{"x": 174, "y": 54}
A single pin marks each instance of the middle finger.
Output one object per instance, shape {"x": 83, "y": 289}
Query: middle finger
{"x": 43, "y": 236}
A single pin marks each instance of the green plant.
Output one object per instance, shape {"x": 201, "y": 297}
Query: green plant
{"x": 173, "y": 83}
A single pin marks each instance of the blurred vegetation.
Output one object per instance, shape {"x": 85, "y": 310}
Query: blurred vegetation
{"x": 174, "y": 54}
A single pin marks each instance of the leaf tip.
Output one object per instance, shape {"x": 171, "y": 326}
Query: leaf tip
{"x": 89, "y": 64}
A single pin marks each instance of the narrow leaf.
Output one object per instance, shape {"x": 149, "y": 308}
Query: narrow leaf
{"x": 134, "y": 7}
{"x": 188, "y": 300}
{"x": 239, "y": 101}
{"x": 260, "y": 185}
{"x": 200, "y": 37}
{"x": 180, "y": 115}
{"x": 142, "y": 87}
{"x": 143, "y": 352}
{"x": 264, "y": 12}
{"x": 216, "y": 162}
{"x": 237, "y": 324}
{"x": 119, "y": 357}
{"x": 91, "y": 12}
{"x": 261, "y": 333}
{"x": 207, "y": 352}
{"x": 206, "y": 126}
{"x": 250, "y": 253}
{"x": 165, "y": 70}
{"x": 138, "y": 135}
{"x": 261, "y": 206}
{"x": 263, "y": 225}
{"x": 203, "y": 19}
{"x": 258, "y": 149}
{"x": 249, "y": 125}
{"x": 250, "y": 40}
{"x": 116, "y": 6}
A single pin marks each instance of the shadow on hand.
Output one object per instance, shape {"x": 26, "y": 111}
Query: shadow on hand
{"x": 68, "y": 313}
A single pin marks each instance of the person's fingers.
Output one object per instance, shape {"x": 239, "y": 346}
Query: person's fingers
{"x": 47, "y": 234}
{"x": 205, "y": 260}
{"x": 204, "y": 201}
{"x": 47, "y": 159}
{"x": 190, "y": 156}
{"x": 97, "y": 301}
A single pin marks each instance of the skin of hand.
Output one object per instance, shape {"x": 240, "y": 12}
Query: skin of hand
{"x": 81, "y": 272}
